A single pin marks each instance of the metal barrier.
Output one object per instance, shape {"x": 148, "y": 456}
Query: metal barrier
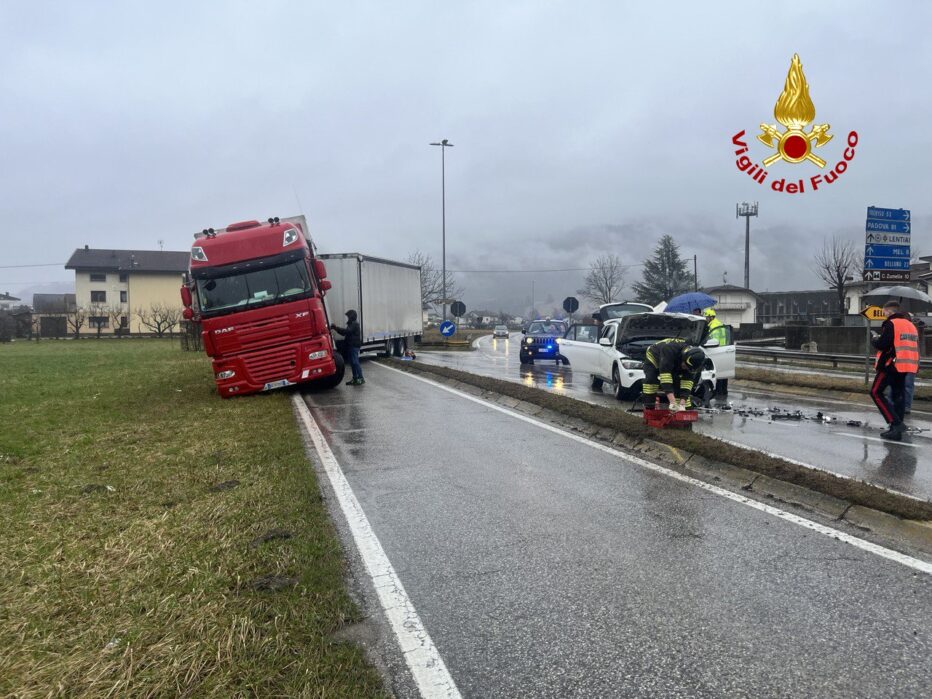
{"x": 835, "y": 359}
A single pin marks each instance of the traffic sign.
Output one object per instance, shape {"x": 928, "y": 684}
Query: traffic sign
{"x": 887, "y": 214}
{"x": 873, "y": 313}
{"x": 887, "y": 226}
{"x": 872, "y": 250}
{"x": 889, "y": 238}
{"x": 885, "y": 276}
{"x": 570, "y": 304}
{"x": 447, "y": 328}
{"x": 458, "y": 308}
{"x": 886, "y": 263}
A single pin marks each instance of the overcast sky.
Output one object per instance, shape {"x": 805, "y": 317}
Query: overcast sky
{"x": 579, "y": 128}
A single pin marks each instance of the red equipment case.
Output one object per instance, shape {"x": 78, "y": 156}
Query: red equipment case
{"x": 667, "y": 418}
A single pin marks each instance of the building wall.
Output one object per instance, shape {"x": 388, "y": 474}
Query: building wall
{"x": 142, "y": 290}
{"x": 734, "y": 307}
{"x": 148, "y": 289}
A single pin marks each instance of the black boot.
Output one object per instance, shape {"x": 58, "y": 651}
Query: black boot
{"x": 895, "y": 433}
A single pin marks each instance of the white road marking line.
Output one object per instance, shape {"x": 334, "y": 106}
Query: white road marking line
{"x": 864, "y": 545}
{"x": 877, "y": 439}
{"x": 423, "y": 659}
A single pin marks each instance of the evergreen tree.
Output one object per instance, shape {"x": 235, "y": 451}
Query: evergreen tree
{"x": 666, "y": 274}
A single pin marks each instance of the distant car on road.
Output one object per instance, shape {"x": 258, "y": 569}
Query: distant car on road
{"x": 500, "y": 331}
{"x": 617, "y": 356}
{"x": 540, "y": 341}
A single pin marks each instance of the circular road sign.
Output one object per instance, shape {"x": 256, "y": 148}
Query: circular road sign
{"x": 458, "y": 308}
{"x": 447, "y": 328}
{"x": 570, "y": 304}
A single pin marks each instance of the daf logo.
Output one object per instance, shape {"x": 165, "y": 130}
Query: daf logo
{"x": 302, "y": 315}
{"x": 225, "y": 330}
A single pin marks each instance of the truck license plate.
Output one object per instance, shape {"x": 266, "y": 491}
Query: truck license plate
{"x": 276, "y": 384}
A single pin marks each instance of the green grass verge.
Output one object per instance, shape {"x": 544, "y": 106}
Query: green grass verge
{"x": 853, "y": 491}
{"x": 125, "y": 571}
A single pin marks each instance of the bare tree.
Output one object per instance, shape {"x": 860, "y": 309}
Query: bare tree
{"x": 98, "y": 317}
{"x": 116, "y": 314}
{"x": 159, "y": 318}
{"x": 432, "y": 280}
{"x": 604, "y": 280}
{"x": 76, "y": 320}
{"x": 836, "y": 265}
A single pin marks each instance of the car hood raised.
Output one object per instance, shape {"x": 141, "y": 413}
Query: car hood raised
{"x": 657, "y": 326}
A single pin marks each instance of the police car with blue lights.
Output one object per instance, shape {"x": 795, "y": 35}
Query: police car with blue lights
{"x": 540, "y": 341}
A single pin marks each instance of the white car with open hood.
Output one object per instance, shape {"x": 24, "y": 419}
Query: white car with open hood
{"x": 615, "y": 356}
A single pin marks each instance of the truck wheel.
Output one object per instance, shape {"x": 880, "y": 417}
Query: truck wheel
{"x": 400, "y": 347}
{"x": 334, "y": 380}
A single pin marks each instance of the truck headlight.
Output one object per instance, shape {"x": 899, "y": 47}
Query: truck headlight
{"x": 291, "y": 235}
{"x": 319, "y": 354}
{"x": 228, "y": 374}
{"x": 197, "y": 253}
{"x": 631, "y": 364}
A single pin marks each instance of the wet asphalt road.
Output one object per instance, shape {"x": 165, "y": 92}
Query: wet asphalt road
{"x": 543, "y": 567}
{"x": 852, "y": 451}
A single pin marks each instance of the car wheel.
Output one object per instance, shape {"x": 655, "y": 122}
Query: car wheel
{"x": 616, "y": 384}
{"x": 704, "y": 393}
{"x": 596, "y": 384}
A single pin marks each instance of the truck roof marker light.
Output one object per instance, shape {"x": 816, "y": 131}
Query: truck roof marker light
{"x": 291, "y": 236}
{"x": 198, "y": 254}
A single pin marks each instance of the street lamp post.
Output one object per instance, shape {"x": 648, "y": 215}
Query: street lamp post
{"x": 746, "y": 210}
{"x": 444, "y": 144}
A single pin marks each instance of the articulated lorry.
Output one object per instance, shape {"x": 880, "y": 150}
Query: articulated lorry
{"x": 261, "y": 295}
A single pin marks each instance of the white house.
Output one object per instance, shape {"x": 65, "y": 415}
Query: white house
{"x": 7, "y": 302}
{"x": 734, "y": 304}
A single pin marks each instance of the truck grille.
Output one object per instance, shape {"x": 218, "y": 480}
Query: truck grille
{"x": 272, "y": 365}
{"x": 261, "y": 331}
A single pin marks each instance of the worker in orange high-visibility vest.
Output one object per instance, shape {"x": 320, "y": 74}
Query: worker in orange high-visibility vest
{"x": 897, "y": 348}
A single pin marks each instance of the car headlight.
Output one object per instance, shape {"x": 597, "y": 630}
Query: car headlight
{"x": 320, "y": 354}
{"x": 631, "y": 364}
{"x": 529, "y": 341}
{"x": 228, "y": 374}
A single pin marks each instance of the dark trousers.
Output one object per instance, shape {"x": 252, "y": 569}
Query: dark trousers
{"x": 354, "y": 362}
{"x": 894, "y": 407}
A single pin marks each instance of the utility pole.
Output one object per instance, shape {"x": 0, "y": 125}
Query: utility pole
{"x": 746, "y": 210}
{"x": 444, "y": 144}
{"x": 695, "y": 275}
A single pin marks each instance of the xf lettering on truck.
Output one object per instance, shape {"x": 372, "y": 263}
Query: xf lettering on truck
{"x": 304, "y": 314}
{"x": 224, "y": 330}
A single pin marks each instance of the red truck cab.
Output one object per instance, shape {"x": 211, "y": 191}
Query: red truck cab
{"x": 257, "y": 291}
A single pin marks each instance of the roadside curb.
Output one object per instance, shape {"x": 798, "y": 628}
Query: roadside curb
{"x": 915, "y": 533}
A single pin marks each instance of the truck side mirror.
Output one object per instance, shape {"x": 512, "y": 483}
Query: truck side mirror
{"x": 186, "y": 299}
{"x": 325, "y": 285}
{"x": 320, "y": 269}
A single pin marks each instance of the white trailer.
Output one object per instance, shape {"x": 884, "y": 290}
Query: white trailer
{"x": 385, "y": 294}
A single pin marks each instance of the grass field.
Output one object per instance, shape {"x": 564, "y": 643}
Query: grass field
{"x": 134, "y": 506}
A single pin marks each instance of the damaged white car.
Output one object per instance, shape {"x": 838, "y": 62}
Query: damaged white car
{"x": 615, "y": 356}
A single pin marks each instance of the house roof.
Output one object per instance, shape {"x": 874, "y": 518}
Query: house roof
{"x": 53, "y": 303}
{"x": 729, "y": 288}
{"x": 93, "y": 260}
{"x": 6, "y": 297}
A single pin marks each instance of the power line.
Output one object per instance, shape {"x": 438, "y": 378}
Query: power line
{"x": 50, "y": 264}
{"x": 534, "y": 271}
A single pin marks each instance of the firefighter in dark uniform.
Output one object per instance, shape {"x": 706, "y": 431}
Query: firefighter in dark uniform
{"x": 672, "y": 367}
{"x": 897, "y": 348}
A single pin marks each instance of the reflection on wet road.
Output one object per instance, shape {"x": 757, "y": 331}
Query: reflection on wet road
{"x": 853, "y": 450}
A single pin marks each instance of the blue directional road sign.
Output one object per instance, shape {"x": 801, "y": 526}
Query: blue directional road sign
{"x": 880, "y": 214}
{"x": 447, "y": 328}
{"x": 887, "y": 245}
{"x": 887, "y": 226}
{"x": 872, "y": 250}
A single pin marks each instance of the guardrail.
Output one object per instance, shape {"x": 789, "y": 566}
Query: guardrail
{"x": 835, "y": 359}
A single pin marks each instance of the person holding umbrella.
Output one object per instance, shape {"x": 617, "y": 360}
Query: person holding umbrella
{"x": 897, "y": 348}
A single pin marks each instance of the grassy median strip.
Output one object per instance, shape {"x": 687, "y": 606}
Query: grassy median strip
{"x": 160, "y": 541}
{"x": 850, "y": 490}
{"x": 823, "y": 382}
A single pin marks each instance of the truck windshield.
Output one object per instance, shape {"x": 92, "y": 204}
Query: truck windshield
{"x": 238, "y": 292}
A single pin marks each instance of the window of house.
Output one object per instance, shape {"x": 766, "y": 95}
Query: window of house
{"x": 122, "y": 297}
{"x": 98, "y": 277}
{"x": 124, "y": 278}
{"x": 124, "y": 321}
{"x": 98, "y": 297}
{"x": 99, "y": 321}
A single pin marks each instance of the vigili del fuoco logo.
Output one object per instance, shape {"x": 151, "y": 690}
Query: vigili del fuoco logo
{"x": 794, "y": 144}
